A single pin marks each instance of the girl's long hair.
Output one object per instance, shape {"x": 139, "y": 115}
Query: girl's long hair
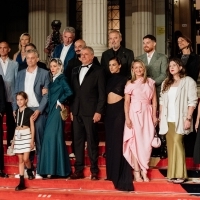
{"x": 133, "y": 76}
{"x": 170, "y": 79}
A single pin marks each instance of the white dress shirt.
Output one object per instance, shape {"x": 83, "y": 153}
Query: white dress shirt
{"x": 83, "y": 72}
{"x": 29, "y": 88}
{"x": 64, "y": 51}
{"x": 4, "y": 65}
{"x": 149, "y": 56}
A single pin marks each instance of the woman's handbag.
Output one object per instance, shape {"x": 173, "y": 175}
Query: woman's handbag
{"x": 156, "y": 142}
{"x": 64, "y": 114}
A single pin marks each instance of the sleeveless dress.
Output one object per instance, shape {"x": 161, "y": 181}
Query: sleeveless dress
{"x": 19, "y": 59}
{"x": 117, "y": 168}
{"x": 137, "y": 140}
{"x": 54, "y": 159}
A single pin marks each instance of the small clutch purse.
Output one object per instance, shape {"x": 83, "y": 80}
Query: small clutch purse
{"x": 156, "y": 142}
{"x": 64, "y": 114}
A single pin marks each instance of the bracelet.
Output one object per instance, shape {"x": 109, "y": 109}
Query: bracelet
{"x": 188, "y": 119}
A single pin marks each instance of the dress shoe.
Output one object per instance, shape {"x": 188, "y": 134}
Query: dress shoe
{"x": 3, "y": 175}
{"x": 20, "y": 187}
{"x": 77, "y": 175}
{"x": 94, "y": 176}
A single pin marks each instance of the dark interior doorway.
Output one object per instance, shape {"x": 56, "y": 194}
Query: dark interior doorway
{"x": 14, "y": 22}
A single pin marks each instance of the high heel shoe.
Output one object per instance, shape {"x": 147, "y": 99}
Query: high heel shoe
{"x": 137, "y": 176}
{"x": 144, "y": 176}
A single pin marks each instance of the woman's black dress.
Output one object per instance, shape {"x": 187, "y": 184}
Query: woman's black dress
{"x": 117, "y": 168}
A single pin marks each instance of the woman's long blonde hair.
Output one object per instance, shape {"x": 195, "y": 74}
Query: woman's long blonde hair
{"x": 133, "y": 76}
{"x": 23, "y": 34}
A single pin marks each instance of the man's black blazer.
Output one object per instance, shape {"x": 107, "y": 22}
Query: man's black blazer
{"x": 90, "y": 96}
{"x": 2, "y": 96}
{"x": 125, "y": 55}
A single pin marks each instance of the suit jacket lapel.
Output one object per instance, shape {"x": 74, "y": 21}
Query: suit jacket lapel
{"x": 8, "y": 67}
{"x": 181, "y": 84}
{"x": 22, "y": 77}
{"x": 153, "y": 59}
{"x": 88, "y": 72}
{"x": 37, "y": 76}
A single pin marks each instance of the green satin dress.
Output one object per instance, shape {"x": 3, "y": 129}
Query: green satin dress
{"x": 54, "y": 158}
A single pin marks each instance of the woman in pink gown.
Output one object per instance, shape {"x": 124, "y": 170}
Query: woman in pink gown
{"x": 140, "y": 114}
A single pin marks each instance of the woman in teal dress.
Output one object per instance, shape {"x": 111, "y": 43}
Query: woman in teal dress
{"x": 54, "y": 159}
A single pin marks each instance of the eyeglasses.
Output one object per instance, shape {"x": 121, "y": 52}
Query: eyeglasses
{"x": 57, "y": 60}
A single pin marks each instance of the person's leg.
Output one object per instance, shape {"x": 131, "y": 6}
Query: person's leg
{"x": 21, "y": 185}
{"x": 28, "y": 165}
{"x": 92, "y": 143}
{"x": 79, "y": 142}
{"x": 39, "y": 133}
{"x": 137, "y": 170}
{"x": 10, "y": 123}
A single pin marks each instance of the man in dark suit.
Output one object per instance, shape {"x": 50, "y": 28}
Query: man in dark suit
{"x": 125, "y": 55}
{"x": 75, "y": 62}
{"x": 24, "y": 65}
{"x": 32, "y": 80}
{"x": 66, "y": 51}
{"x": 2, "y": 110}
{"x": 88, "y": 84}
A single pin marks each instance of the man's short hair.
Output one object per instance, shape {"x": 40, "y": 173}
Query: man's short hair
{"x": 70, "y": 30}
{"x": 88, "y": 48}
{"x": 151, "y": 37}
{"x": 33, "y": 51}
{"x": 30, "y": 45}
{"x": 5, "y": 43}
{"x": 116, "y": 31}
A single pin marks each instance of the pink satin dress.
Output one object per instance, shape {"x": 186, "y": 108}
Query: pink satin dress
{"x": 137, "y": 140}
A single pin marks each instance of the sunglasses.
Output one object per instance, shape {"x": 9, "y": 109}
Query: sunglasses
{"x": 56, "y": 60}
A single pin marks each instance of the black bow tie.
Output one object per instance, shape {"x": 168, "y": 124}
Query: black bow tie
{"x": 84, "y": 66}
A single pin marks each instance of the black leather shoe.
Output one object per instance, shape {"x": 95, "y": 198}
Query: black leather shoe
{"x": 3, "y": 175}
{"x": 94, "y": 176}
{"x": 20, "y": 187}
{"x": 77, "y": 175}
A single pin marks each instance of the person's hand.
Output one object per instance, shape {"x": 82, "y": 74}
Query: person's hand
{"x": 71, "y": 116}
{"x": 96, "y": 117}
{"x": 32, "y": 145}
{"x": 61, "y": 106}
{"x": 196, "y": 124}
{"x": 12, "y": 144}
{"x": 44, "y": 91}
{"x": 187, "y": 124}
{"x": 14, "y": 114}
{"x": 35, "y": 115}
{"x": 129, "y": 123}
{"x": 155, "y": 121}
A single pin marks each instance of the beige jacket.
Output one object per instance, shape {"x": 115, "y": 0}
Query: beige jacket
{"x": 186, "y": 96}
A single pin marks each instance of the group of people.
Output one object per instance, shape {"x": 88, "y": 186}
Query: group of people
{"x": 136, "y": 96}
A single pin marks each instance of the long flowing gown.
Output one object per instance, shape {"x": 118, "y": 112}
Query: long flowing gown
{"x": 137, "y": 140}
{"x": 117, "y": 168}
{"x": 54, "y": 159}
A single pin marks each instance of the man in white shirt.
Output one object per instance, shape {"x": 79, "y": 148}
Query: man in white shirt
{"x": 32, "y": 80}
{"x": 66, "y": 50}
{"x": 8, "y": 71}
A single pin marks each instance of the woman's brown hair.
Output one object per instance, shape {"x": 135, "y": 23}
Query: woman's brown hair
{"x": 170, "y": 79}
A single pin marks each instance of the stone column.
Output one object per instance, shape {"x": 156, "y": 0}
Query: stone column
{"x": 38, "y": 25}
{"x": 95, "y": 25}
{"x": 142, "y": 23}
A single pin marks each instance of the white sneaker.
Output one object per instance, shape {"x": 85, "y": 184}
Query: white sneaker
{"x": 25, "y": 174}
{"x": 72, "y": 155}
{"x": 37, "y": 176}
{"x": 196, "y": 180}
